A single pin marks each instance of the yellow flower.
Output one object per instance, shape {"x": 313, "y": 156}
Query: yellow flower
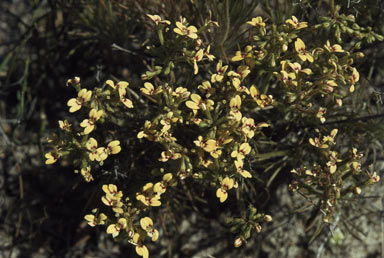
{"x": 141, "y": 249}
{"x": 149, "y": 89}
{"x": 296, "y": 67}
{"x": 257, "y": 22}
{"x": 336, "y": 48}
{"x": 148, "y": 196}
{"x": 146, "y": 223}
{"x": 157, "y": 19}
{"x": 160, "y": 187}
{"x": 206, "y": 89}
{"x": 320, "y": 114}
{"x": 86, "y": 173}
{"x": 226, "y": 185}
{"x": 248, "y": 127}
{"x": 183, "y": 30}
{"x": 220, "y": 71}
{"x": 116, "y": 204}
{"x": 353, "y": 79}
{"x": 121, "y": 87}
{"x": 235, "y": 105}
{"x": 197, "y": 103}
{"x": 197, "y": 58}
{"x": 300, "y": 49}
{"x": 111, "y": 191}
{"x": 92, "y": 147}
{"x": 89, "y": 124}
{"x": 244, "y": 150}
{"x": 296, "y": 24}
{"x": 65, "y": 125}
{"x": 82, "y": 97}
{"x": 208, "y": 54}
{"x": 51, "y": 157}
{"x": 332, "y": 161}
{"x": 115, "y": 229}
{"x": 208, "y": 146}
{"x": 239, "y": 166}
{"x": 95, "y": 220}
{"x": 247, "y": 53}
{"x": 112, "y": 148}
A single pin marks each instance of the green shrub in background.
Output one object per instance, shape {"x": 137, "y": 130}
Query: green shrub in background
{"x": 212, "y": 129}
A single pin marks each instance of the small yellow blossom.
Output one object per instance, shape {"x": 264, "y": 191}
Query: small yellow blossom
{"x": 336, "y": 48}
{"x": 147, "y": 224}
{"x": 296, "y": 67}
{"x": 220, "y": 71}
{"x": 257, "y": 22}
{"x": 115, "y": 229}
{"x": 112, "y": 192}
{"x": 183, "y": 30}
{"x": 208, "y": 146}
{"x": 76, "y": 103}
{"x": 141, "y": 249}
{"x": 65, "y": 125}
{"x": 51, "y": 158}
{"x": 243, "y": 150}
{"x": 332, "y": 161}
{"x": 160, "y": 187}
{"x": 121, "y": 87}
{"x": 294, "y": 22}
{"x": 206, "y": 89}
{"x": 116, "y": 204}
{"x": 320, "y": 114}
{"x": 95, "y": 220}
{"x": 157, "y": 19}
{"x": 353, "y": 79}
{"x": 89, "y": 124}
{"x": 235, "y": 104}
{"x": 112, "y": 148}
{"x": 86, "y": 173}
{"x": 149, "y": 89}
{"x": 300, "y": 49}
{"x": 197, "y": 103}
{"x": 226, "y": 185}
{"x": 239, "y": 166}
{"x": 197, "y": 58}
{"x": 92, "y": 147}
{"x": 148, "y": 196}
{"x": 373, "y": 178}
{"x": 208, "y": 54}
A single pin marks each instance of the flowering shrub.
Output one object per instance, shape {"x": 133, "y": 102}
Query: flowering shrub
{"x": 223, "y": 126}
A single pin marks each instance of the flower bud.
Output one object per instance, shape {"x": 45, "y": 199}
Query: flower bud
{"x": 357, "y": 190}
{"x": 267, "y": 218}
{"x": 238, "y": 242}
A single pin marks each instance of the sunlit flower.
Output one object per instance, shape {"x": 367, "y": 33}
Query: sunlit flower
{"x": 148, "y": 196}
{"x": 197, "y": 58}
{"x": 220, "y": 71}
{"x": 240, "y": 169}
{"x": 116, "y": 204}
{"x": 141, "y": 249}
{"x": 95, "y": 220}
{"x": 51, "y": 158}
{"x": 294, "y": 22}
{"x": 243, "y": 150}
{"x": 121, "y": 87}
{"x": 296, "y": 67}
{"x": 160, "y": 187}
{"x": 111, "y": 191}
{"x": 146, "y": 223}
{"x": 86, "y": 173}
{"x": 206, "y": 89}
{"x": 353, "y": 79}
{"x": 65, "y": 125}
{"x": 82, "y": 97}
{"x": 183, "y": 30}
{"x": 208, "y": 145}
{"x": 336, "y": 48}
{"x": 157, "y": 19}
{"x": 320, "y": 114}
{"x": 226, "y": 184}
{"x": 208, "y": 54}
{"x": 257, "y": 22}
{"x": 197, "y": 103}
{"x": 92, "y": 147}
{"x": 115, "y": 229}
{"x": 149, "y": 89}
{"x": 235, "y": 104}
{"x": 89, "y": 124}
{"x": 300, "y": 49}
